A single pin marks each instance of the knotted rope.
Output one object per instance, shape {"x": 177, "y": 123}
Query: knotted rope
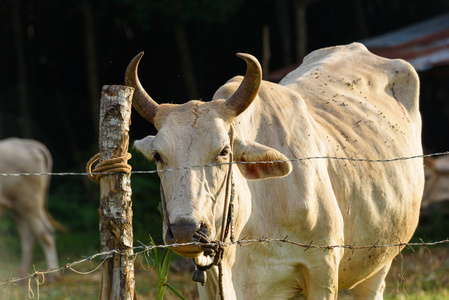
{"x": 114, "y": 165}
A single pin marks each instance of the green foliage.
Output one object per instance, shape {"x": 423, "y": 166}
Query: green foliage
{"x": 146, "y": 197}
{"x": 150, "y": 13}
{"x": 7, "y": 224}
{"x": 434, "y": 227}
{"x": 163, "y": 264}
{"x": 9, "y": 241}
{"x": 72, "y": 204}
{"x": 440, "y": 224}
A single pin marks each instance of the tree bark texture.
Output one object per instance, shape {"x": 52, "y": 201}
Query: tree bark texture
{"x": 22, "y": 84}
{"x": 300, "y": 8}
{"x": 91, "y": 60}
{"x": 115, "y": 195}
{"x": 184, "y": 53}
{"x": 266, "y": 50}
{"x": 283, "y": 19}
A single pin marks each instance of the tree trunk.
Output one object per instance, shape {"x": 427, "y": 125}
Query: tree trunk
{"x": 184, "y": 54}
{"x": 1, "y": 134}
{"x": 300, "y": 9}
{"x": 266, "y": 51}
{"x": 285, "y": 35}
{"x": 115, "y": 196}
{"x": 22, "y": 85}
{"x": 361, "y": 20}
{"x": 91, "y": 62}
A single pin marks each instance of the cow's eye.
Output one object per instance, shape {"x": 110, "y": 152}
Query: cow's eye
{"x": 157, "y": 157}
{"x": 225, "y": 151}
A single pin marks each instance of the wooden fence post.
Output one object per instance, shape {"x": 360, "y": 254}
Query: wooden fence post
{"x": 115, "y": 195}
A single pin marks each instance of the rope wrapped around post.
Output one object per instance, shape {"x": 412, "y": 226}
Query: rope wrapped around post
{"x": 115, "y": 165}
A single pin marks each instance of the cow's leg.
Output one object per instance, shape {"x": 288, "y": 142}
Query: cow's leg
{"x": 325, "y": 287}
{"x": 32, "y": 227}
{"x": 44, "y": 232}
{"x": 373, "y": 287}
{"x": 27, "y": 240}
{"x": 322, "y": 282}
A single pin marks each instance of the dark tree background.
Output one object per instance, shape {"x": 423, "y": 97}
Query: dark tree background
{"x": 56, "y": 55}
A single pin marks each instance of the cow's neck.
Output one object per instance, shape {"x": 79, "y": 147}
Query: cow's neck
{"x": 253, "y": 213}
{"x": 262, "y": 123}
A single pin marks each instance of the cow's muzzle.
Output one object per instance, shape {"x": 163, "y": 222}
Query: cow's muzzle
{"x": 186, "y": 231}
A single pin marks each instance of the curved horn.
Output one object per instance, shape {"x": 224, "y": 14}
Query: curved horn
{"x": 249, "y": 87}
{"x": 142, "y": 102}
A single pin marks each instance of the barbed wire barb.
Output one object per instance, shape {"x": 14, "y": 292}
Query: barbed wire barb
{"x": 374, "y": 246}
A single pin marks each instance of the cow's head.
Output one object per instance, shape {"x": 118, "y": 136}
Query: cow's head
{"x": 193, "y": 134}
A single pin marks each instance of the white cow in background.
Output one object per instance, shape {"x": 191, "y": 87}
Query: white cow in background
{"x": 26, "y": 197}
{"x": 341, "y": 102}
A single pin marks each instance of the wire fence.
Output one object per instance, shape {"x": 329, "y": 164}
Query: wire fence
{"x": 39, "y": 276}
{"x": 234, "y": 163}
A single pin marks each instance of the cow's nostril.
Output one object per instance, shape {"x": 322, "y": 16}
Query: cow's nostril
{"x": 202, "y": 234}
{"x": 169, "y": 237}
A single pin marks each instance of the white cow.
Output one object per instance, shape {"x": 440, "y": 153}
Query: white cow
{"x": 341, "y": 102}
{"x": 26, "y": 196}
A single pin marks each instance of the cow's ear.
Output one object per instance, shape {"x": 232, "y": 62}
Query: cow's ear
{"x": 275, "y": 163}
{"x": 145, "y": 146}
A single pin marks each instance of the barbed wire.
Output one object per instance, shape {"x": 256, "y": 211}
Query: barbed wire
{"x": 242, "y": 242}
{"x": 231, "y": 163}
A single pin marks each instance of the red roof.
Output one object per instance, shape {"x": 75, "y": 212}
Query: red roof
{"x": 425, "y": 44}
